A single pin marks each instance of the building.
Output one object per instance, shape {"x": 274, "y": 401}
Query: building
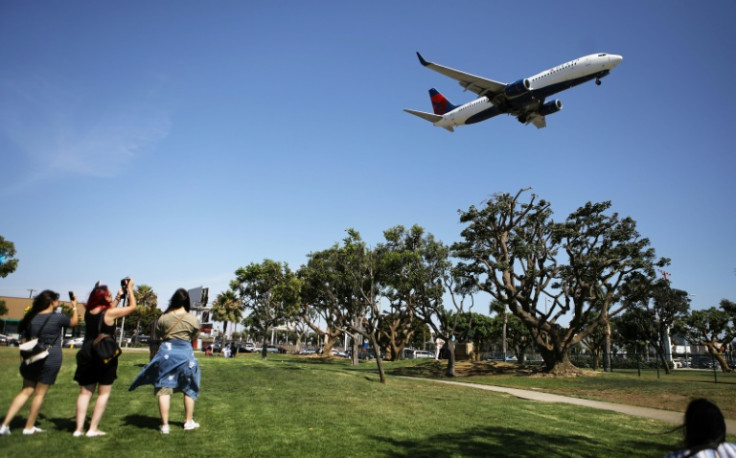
{"x": 16, "y": 309}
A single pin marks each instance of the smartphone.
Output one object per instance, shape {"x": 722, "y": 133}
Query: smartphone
{"x": 71, "y": 296}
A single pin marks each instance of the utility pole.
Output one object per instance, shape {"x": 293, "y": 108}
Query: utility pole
{"x": 30, "y": 296}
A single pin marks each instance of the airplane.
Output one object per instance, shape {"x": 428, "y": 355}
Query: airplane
{"x": 524, "y": 99}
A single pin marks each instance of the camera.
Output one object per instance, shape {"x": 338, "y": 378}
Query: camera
{"x": 124, "y": 285}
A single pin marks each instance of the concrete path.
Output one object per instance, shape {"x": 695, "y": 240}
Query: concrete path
{"x": 667, "y": 416}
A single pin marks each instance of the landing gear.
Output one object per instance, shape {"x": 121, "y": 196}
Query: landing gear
{"x": 597, "y": 82}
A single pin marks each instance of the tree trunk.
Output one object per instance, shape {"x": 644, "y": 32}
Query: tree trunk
{"x": 557, "y": 362}
{"x": 264, "y": 347}
{"x": 607, "y": 354}
{"x": 379, "y": 360}
{"x": 715, "y": 352}
{"x": 356, "y": 350}
{"x": 327, "y": 345}
{"x": 450, "y": 358}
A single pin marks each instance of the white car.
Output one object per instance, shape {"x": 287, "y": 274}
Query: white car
{"x": 75, "y": 342}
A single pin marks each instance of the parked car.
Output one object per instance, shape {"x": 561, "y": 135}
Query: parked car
{"x": 74, "y": 342}
{"x": 247, "y": 347}
{"x": 702, "y": 362}
{"x": 3, "y": 339}
{"x": 13, "y": 340}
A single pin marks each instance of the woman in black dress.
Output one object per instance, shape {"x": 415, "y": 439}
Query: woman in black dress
{"x": 93, "y": 375}
{"x": 43, "y": 323}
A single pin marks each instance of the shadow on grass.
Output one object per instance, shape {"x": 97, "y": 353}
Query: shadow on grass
{"x": 511, "y": 442}
{"x": 63, "y": 424}
{"x": 145, "y": 421}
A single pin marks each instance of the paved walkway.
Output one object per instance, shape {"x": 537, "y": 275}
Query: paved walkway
{"x": 667, "y": 416}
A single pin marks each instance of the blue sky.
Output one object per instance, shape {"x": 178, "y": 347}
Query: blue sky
{"x": 175, "y": 141}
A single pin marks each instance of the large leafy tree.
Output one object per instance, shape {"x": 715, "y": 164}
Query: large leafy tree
{"x": 408, "y": 275}
{"x": 415, "y": 273}
{"x": 654, "y": 309}
{"x": 713, "y": 328}
{"x": 7, "y": 252}
{"x": 270, "y": 291}
{"x": 227, "y": 308}
{"x": 514, "y": 251}
{"x": 323, "y": 294}
{"x": 342, "y": 283}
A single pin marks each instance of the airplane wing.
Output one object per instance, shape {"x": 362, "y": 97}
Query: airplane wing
{"x": 477, "y": 84}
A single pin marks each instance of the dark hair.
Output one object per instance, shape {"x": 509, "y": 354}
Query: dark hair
{"x": 704, "y": 425}
{"x": 40, "y": 302}
{"x": 98, "y": 297}
{"x": 179, "y": 299}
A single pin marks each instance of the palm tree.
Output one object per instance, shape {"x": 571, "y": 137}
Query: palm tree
{"x": 147, "y": 311}
{"x": 227, "y": 308}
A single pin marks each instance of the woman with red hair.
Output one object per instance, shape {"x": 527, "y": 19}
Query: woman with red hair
{"x": 102, "y": 311}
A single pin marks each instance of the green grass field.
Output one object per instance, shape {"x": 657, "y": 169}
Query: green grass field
{"x": 288, "y": 406}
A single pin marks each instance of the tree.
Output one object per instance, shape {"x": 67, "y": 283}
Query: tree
{"x": 147, "y": 312}
{"x": 341, "y": 282}
{"x": 227, "y": 308}
{"x": 3, "y": 308}
{"x": 406, "y": 277}
{"x": 476, "y": 328}
{"x": 322, "y": 297}
{"x": 270, "y": 291}
{"x": 713, "y": 328}
{"x": 415, "y": 274}
{"x": 511, "y": 251}
{"x": 7, "y": 252}
{"x": 597, "y": 342}
{"x": 654, "y": 309}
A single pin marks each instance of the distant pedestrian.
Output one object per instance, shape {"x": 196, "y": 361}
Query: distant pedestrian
{"x": 705, "y": 433}
{"x": 438, "y": 343}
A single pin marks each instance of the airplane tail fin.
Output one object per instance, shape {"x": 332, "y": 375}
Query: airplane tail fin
{"x": 440, "y": 104}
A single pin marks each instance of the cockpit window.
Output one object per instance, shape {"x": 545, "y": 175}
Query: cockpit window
{"x": 602, "y": 55}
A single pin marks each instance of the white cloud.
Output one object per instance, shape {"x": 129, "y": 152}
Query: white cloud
{"x": 54, "y": 126}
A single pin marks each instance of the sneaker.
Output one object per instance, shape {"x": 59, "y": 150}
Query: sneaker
{"x": 164, "y": 429}
{"x": 190, "y": 425}
{"x": 34, "y": 430}
{"x": 4, "y": 430}
{"x": 78, "y": 434}
{"x": 95, "y": 433}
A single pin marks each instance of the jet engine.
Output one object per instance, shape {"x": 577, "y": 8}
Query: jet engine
{"x": 550, "y": 107}
{"x": 517, "y": 88}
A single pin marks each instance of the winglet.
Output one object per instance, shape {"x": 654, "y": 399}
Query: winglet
{"x": 421, "y": 60}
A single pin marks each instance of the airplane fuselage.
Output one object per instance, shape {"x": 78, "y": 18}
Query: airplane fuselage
{"x": 524, "y": 98}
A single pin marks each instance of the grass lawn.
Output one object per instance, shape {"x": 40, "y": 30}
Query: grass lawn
{"x": 290, "y": 406}
{"x": 669, "y": 392}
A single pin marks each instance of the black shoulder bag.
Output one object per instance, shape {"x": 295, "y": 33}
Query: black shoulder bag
{"x": 104, "y": 348}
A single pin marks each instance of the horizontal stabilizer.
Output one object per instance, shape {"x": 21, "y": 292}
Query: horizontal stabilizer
{"x": 431, "y": 117}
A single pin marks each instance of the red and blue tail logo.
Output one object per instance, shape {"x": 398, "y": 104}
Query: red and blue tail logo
{"x": 440, "y": 104}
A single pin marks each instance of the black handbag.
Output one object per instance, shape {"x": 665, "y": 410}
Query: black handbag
{"x": 34, "y": 350}
{"x": 104, "y": 348}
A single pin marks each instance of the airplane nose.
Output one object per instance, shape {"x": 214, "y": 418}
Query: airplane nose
{"x": 615, "y": 59}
